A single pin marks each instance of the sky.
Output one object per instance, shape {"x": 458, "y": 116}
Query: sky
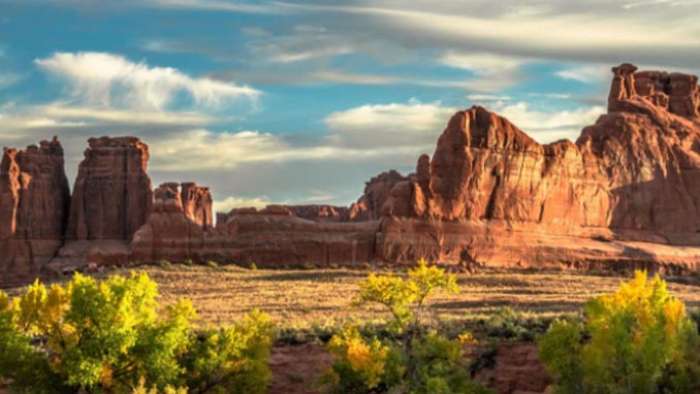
{"x": 303, "y": 102}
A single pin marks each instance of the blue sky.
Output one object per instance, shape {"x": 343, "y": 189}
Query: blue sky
{"x": 296, "y": 102}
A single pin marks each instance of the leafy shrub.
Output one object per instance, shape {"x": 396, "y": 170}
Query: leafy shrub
{"x": 233, "y": 359}
{"x": 511, "y": 324}
{"x": 638, "y": 339}
{"x": 413, "y": 360}
{"x": 212, "y": 264}
{"x": 361, "y": 365}
{"x": 109, "y": 336}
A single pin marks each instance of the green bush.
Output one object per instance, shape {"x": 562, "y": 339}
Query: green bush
{"x": 413, "y": 360}
{"x": 233, "y": 359}
{"x": 212, "y": 264}
{"x": 110, "y": 336}
{"x": 638, "y": 340}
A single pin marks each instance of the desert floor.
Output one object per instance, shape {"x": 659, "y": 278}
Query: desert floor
{"x": 308, "y": 305}
{"x": 325, "y": 297}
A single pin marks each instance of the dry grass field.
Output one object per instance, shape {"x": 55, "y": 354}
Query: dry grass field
{"x": 303, "y": 299}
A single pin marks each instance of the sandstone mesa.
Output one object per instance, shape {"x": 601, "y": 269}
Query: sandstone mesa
{"x": 625, "y": 195}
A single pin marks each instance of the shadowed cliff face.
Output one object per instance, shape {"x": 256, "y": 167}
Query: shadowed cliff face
{"x": 34, "y": 200}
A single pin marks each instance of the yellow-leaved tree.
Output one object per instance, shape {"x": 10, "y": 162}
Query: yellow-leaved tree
{"x": 414, "y": 360}
{"x": 111, "y": 336}
{"x": 637, "y": 340}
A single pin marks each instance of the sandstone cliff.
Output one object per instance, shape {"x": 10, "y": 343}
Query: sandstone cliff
{"x": 626, "y": 194}
{"x": 34, "y": 199}
{"x": 112, "y": 196}
{"x": 491, "y": 194}
{"x": 176, "y": 228}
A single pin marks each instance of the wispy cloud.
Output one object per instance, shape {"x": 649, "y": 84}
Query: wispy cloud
{"x": 586, "y": 73}
{"x": 549, "y": 125}
{"x": 231, "y": 202}
{"x": 413, "y": 125}
{"x": 111, "y": 80}
{"x": 216, "y": 5}
{"x": 8, "y": 79}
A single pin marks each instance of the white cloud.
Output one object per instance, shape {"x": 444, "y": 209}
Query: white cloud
{"x": 203, "y": 149}
{"x": 389, "y": 125}
{"x": 353, "y": 78}
{"x": 481, "y": 63}
{"x": 311, "y": 53}
{"x": 595, "y": 31}
{"x": 113, "y": 81}
{"x": 491, "y": 72}
{"x": 60, "y": 115}
{"x": 214, "y": 5}
{"x": 549, "y": 126}
{"x": 650, "y": 3}
{"x": 556, "y": 96}
{"x": 586, "y": 73}
{"x": 487, "y": 97}
{"x": 231, "y": 202}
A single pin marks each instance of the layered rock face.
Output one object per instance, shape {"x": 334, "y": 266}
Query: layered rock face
{"x": 176, "y": 229}
{"x": 273, "y": 236}
{"x": 625, "y": 195}
{"x": 491, "y": 194}
{"x": 196, "y": 204}
{"x": 34, "y": 200}
{"x": 112, "y": 196}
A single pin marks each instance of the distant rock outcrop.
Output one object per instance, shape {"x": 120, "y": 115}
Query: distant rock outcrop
{"x": 112, "y": 196}
{"x": 34, "y": 200}
{"x": 176, "y": 228}
{"x": 197, "y": 204}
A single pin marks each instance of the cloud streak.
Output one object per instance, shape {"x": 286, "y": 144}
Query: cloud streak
{"x": 112, "y": 80}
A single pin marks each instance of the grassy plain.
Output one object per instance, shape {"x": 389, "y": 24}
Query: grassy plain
{"x": 304, "y": 299}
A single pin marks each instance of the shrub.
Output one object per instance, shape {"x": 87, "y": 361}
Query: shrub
{"x": 107, "y": 336}
{"x": 412, "y": 360}
{"x": 212, "y": 264}
{"x": 233, "y": 359}
{"x": 361, "y": 365}
{"x": 638, "y": 339}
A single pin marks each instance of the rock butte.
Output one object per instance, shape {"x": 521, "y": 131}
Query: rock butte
{"x": 625, "y": 195}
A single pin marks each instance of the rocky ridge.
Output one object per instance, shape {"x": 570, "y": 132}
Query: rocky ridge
{"x": 625, "y": 194}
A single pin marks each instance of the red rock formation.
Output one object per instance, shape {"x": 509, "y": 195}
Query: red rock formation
{"x": 316, "y": 213}
{"x": 493, "y": 195}
{"x": 516, "y": 369}
{"x": 377, "y": 192}
{"x": 626, "y": 194}
{"x": 112, "y": 195}
{"x": 274, "y": 235}
{"x": 623, "y": 195}
{"x": 197, "y": 204}
{"x": 320, "y": 213}
{"x": 34, "y": 198}
{"x": 272, "y": 239}
{"x": 174, "y": 230}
